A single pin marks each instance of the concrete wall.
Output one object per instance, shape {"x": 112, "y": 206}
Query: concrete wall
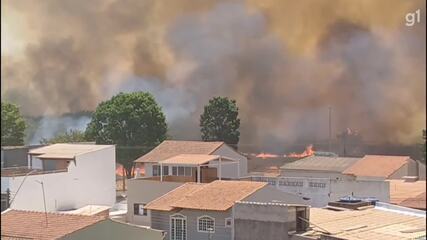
{"x": 409, "y": 169}
{"x": 230, "y": 170}
{"x": 14, "y": 157}
{"x": 317, "y": 192}
{"x": 313, "y": 174}
{"x": 161, "y": 220}
{"x": 145, "y": 191}
{"x": 90, "y": 180}
{"x": 109, "y": 229}
{"x": 265, "y": 221}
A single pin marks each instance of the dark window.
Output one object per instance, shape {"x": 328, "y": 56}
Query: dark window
{"x": 165, "y": 170}
{"x": 175, "y": 171}
{"x": 156, "y": 170}
{"x": 139, "y": 209}
{"x": 181, "y": 171}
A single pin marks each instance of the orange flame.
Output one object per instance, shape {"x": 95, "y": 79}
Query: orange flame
{"x": 264, "y": 155}
{"x": 307, "y": 152}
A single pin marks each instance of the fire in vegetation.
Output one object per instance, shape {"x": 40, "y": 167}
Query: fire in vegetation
{"x": 307, "y": 152}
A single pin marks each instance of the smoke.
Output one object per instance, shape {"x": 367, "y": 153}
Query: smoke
{"x": 49, "y": 127}
{"x": 285, "y": 62}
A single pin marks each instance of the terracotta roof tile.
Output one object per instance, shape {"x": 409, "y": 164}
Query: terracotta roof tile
{"x": 377, "y": 166}
{"x": 367, "y": 224}
{"x": 171, "y": 148}
{"x": 214, "y": 196}
{"x": 32, "y": 225}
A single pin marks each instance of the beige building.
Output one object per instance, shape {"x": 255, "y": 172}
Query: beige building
{"x": 192, "y": 161}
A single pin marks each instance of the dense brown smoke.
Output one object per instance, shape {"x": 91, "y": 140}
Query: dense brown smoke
{"x": 285, "y": 62}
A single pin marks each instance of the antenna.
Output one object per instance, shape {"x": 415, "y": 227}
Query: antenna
{"x": 44, "y": 200}
{"x": 330, "y": 129}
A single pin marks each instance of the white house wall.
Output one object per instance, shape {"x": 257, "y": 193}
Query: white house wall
{"x": 332, "y": 190}
{"x": 91, "y": 182}
{"x": 313, "y": 174}
{"x": 230, "y": 170}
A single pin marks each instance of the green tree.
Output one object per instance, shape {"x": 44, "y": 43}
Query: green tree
{"x": 219, "y": 121}
{"x": 71, "y": 136}
{"x": 12, "y": 125}
{"x": 132, "y": 121}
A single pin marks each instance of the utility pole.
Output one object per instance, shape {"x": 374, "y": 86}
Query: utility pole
{"x": 330, "y": 130}
{"x": 44, "y": 201}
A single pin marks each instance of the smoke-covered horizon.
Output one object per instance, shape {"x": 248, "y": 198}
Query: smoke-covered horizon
{"x": 285, "y": 62}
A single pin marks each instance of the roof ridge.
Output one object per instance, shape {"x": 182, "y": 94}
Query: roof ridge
{"x": 53, "y": 213}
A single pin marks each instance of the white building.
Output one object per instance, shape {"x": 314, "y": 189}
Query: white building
{"x": 318, "y": 192}
{"x": 205, "y": 158}
{"x": 64, "y": 177}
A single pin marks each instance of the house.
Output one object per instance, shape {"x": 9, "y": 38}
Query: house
{"x": 192, "y": 161}
{"x": 18, "y": 224}
{"x": 200, "y": 211}
{"x": 62, "y": 177}
{"x": 408, "y": 194}
{"x": 369, "y": 167}
{"x": 383, "y": 167}
{"x": 380, "y": 222}
{"x": 318, "y": 192}
{"x": 319, "y": 167}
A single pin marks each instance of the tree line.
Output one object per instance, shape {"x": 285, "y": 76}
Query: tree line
{"x": 134, "y": 122}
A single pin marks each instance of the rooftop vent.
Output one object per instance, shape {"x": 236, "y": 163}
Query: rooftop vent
{"x": 354, "y": 203}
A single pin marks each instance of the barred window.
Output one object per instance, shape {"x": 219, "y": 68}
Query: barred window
{"x": 317, "y": 185}
{"x": 206, "y": 224}
{"x": 291, "y": 183}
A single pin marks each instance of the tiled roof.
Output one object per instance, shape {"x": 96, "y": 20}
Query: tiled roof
{"x": 367, "y": 224}
{"x": 214, "y": 196}
{"x": 66, "y": 151}
{"x": 171, "y": 148}
{"x": 408, "y": 194}
{"x": 321, "y": 163}
{"x": 377, "y": 166}
{"x": 32, "y": 225}
{"x": 190, "y": 159}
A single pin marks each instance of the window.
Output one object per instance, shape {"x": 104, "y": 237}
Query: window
{"x": 187, "y": 171}
{"x": 178, "y": 227}
{"x": 139, "y": 209}
{"x": 206, "y": 224}
{"x": 228, "y": 222}
{"x": 165, "y": 170}
{"x": 182, "y": 171}
{"x": 317, "y": 185}
{"x": 156, "y": 170}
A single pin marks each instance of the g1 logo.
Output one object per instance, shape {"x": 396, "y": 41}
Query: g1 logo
{"x": 412, "y": 18}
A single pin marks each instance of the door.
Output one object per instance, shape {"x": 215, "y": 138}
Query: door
{"x": 178, "y": 227}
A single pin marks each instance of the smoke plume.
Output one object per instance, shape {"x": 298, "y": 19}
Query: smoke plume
{"x": 285, "y": 62}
